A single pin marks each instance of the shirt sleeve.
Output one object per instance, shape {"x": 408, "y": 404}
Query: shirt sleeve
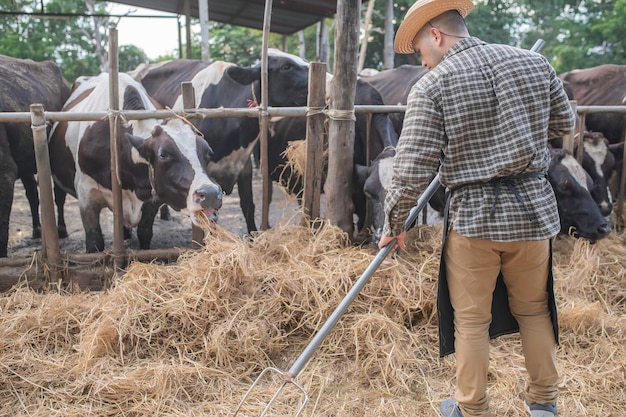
{"x": 562, "y": 118}
{"x": 417, "y": 158}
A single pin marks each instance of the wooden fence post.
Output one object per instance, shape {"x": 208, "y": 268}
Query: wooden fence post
{"x": 314, "y": 164}
{"x": 49, "y": 233}
{"x": 339, "y": 205}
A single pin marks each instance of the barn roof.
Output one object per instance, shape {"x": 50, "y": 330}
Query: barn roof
{"x": 288, "y": 16}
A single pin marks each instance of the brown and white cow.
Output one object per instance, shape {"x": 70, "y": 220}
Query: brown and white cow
{"x": 160, "y": 162}
{"x": 604, "y": 85}
{"x": 223, "y": 84}
{"x": 22, "y": 83}
{"x": 579, "y": 213}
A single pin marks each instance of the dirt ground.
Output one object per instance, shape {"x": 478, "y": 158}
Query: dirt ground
{"x": 167, "y": 233}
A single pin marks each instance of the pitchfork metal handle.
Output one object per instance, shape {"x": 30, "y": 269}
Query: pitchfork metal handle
{"x": 360, "y": 283}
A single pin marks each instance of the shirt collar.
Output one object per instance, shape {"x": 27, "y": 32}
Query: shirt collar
{"x": 463, "y": 45}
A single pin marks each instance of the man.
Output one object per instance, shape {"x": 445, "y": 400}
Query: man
{"x": 489, "y": 110}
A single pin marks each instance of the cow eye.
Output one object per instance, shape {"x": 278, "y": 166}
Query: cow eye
{"x": 285, "y": 67}
{"x": 163, "y": 155}
{"x": 565, "y": 187}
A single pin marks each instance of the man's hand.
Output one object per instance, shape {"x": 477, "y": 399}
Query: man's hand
{"x": 384, "y": 240}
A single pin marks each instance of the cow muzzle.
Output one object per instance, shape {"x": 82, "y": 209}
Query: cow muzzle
{"x": 208, "y": 198}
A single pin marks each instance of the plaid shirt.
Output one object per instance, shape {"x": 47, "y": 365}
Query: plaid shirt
{"x": 490, "y": 109}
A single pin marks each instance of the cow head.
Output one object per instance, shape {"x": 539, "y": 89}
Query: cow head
{"x": 599, "y": 163}
{"x": 178, "y": 159}
{"x": 288, "y": 79}
{"x": 375, "y": 180}
{"x": 579, "y": 213}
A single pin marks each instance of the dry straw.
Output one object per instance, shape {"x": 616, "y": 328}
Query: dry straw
{"x": 188, "y": 339}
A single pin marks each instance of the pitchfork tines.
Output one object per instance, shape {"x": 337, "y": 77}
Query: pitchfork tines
{"x": 287, "y": 378}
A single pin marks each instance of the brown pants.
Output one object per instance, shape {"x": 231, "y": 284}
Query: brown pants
{"x": 472, "y": 268}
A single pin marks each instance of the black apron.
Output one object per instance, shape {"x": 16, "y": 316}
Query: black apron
{"x": 502, "y": 320}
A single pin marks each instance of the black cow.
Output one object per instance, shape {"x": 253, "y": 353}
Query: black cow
{"x": 232, "y": 139}
{"x": 22, "y": 83}
{"x": 580, "y": 215}
{"x": 160, "y": 162}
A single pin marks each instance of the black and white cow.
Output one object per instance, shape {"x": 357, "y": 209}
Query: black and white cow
{"x": 599, "y": 162}
{"x": 382, "y": 135}
{"x": 227, "y": 85}
{"x": 22, "y": 83}
{"x": 579, "y": 213}
{"x": 160, "y": 162}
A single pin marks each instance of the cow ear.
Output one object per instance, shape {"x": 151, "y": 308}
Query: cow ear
{"x": 244, "y": 75}
{"x": 360, "y": 173}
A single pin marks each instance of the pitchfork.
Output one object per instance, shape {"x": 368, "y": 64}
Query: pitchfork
{"x": 290, "y": 376}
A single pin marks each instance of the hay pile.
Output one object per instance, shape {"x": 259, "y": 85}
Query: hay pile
{"x": 188, "y": 339}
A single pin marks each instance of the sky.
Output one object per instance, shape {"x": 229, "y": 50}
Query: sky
{"x": 156, "y": 36}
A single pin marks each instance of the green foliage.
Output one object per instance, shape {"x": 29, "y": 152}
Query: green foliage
{"x": 129, "y": 56}
{"x": 70, "y": 42}
{"x": 493, "y": 21}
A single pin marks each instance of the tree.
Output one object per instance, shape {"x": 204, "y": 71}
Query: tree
{"x": 592, "y": 34}
{"x": 130, "y": 56}
{"x": 78, "y": 44}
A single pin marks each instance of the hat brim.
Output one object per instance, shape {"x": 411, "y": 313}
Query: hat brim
{"x": 417, "y": 17}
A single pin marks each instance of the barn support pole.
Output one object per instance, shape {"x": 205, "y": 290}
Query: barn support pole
{"x": 187, "y": 8}
{"x": 49, "y": 234}
{"x": 388, "y": 53}
{"x": 180, "y": 39}
{"x": 203, "y": 7}
{"x": 366, "y": 34}
{"x": 322, "y": 47}
{"x": 264, "y": 122}
{"x": 314, "y": 142}
{"x": 339, "y": 205}
{"x": 115, "y": 126}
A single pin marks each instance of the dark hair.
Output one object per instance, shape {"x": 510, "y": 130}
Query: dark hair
{"x": 451, "y": 22}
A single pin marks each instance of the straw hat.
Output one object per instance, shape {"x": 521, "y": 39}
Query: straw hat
{"x": 419, "y": 14}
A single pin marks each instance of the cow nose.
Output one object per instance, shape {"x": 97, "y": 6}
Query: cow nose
{"x": 606, "y": 208}
{"x": 604, "y": 229}
{"x": 209, "y": 196}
